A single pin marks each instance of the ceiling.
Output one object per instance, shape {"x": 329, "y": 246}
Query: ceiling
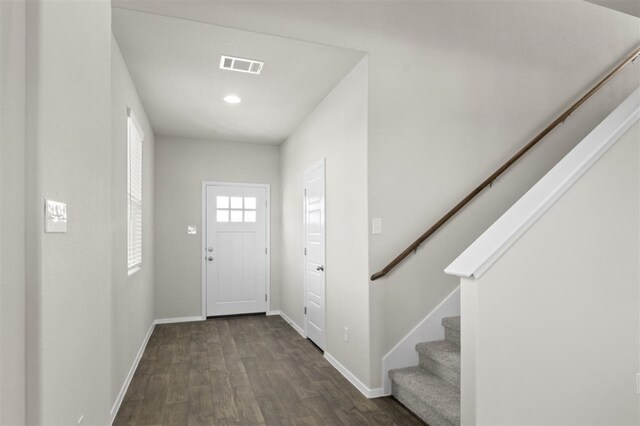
{"x": 631, "y": 7}
{"x": 174, "y": 64}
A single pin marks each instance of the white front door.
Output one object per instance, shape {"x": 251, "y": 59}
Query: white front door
{"x": 314, "y": 264}
{"x": 235, "y": 249}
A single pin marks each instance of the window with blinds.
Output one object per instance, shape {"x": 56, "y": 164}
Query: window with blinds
{"x": 135, "y": 136}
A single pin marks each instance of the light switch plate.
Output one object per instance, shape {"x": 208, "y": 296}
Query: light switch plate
{"x": 192, "y": 230}
{"x": 376, "y": 225}
{"x": 55, "y": 216}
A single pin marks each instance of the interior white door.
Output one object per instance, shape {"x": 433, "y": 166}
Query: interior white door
{"x": 314, "y": 260}
{"x": 236, "y": 249}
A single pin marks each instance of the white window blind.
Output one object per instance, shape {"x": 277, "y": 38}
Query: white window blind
{"x": 135, "y": 136}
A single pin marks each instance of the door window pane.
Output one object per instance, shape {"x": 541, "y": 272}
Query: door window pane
{"x": 249, "y": 215}
{"x": 222, "y": 215}
{"x": 222, "y": 202}
{"x": 250, "y": 203}
{"x": 236, "y": 202}
{"x": 236, "y": 215}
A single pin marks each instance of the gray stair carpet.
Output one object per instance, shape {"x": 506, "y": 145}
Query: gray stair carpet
{"x": 432, "y": 389}
{"x": 452, "y": 329}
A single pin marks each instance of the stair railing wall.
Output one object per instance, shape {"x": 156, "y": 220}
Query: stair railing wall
{"x": 489, "y": 181}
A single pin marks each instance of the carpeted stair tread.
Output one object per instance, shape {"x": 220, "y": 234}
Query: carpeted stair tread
{"x": 431, "y": 398}
{"x": 442, "y": 351}
{"x": 452, "y": 323}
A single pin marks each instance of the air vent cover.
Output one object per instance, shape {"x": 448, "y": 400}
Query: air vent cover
{"x": 250, "y": 66}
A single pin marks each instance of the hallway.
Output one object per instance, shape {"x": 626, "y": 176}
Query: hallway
{"x": 250, "y": 370}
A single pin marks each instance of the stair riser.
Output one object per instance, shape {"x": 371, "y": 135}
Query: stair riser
{"x": 452, "y": 336}
{"x": 419, "y": 408}
{"x": 434, "y": 367}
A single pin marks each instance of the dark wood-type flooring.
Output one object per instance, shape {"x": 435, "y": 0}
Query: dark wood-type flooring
{"x": 253, "y": 370}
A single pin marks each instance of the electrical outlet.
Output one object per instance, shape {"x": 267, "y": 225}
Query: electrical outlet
{"x": 346, "y": 334}
{"x": 80, "y": 420}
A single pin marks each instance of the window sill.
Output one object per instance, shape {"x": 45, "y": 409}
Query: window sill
{"x": 134, "y": 269}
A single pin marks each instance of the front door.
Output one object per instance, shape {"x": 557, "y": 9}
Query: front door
{"x": 314, "y": 265}
{"x": 236, "y": 249}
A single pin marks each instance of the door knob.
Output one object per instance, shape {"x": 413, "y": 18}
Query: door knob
{"x": 210, "y": 249}
{"x": 210, "y": 258}
{"x": 320, "y": 268}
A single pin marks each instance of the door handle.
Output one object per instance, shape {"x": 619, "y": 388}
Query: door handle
{"x": 320, "y": 268}
{"x": 210, "y": 258}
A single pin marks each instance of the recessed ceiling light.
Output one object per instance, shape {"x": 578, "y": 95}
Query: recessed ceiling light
{"x": 232, "y": 99}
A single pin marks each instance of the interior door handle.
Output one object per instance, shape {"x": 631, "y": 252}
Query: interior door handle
{"x": 320, "y": 268}
{"x": 210, "y": 259}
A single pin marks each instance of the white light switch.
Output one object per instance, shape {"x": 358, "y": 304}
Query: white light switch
{"x": 376, "y": 225}
{"x": 55, "y": 216}
{"x": 192, "y": 230}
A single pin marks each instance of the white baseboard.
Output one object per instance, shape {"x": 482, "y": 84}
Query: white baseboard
{"x": 366, "y": 391}
{"x": 369, "y": 393}
{"x": 132, "y": 370}
{"x": 295, "y": 326}
{"x": 404, "y": 354}
{"x": 272, "y": 313}
{"x": 180, "y": 319}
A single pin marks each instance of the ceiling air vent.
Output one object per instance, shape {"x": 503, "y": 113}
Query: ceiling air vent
{"x": 241, "y": 65}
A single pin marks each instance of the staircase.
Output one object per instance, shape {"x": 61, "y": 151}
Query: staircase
{"x": 432, "y": 389}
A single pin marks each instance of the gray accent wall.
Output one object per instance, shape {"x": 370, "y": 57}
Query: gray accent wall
{"x": 181, "y": 165}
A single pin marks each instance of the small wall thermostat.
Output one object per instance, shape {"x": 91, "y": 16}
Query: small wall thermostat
{"x": 192, "y": 230}
{"x": 55, "y": 216}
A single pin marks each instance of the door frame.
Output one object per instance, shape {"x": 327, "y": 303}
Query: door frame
{"x": 203, "y": 231}
{"x": 315, "y": 165}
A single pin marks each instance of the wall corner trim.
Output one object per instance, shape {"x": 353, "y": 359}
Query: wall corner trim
{"x": 366, "y": 391}
{"x": 127, "y": 381}
{"x": 132, "y": 370}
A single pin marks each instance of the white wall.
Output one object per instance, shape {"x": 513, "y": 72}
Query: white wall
{"x": 69, "y": 160}
{"x": 181, "y": 165}
{"x": 132, "y": 296}
{"x": 12, "y": 213}
{"x": 469, "y": 84}
{"x": 455, "y": 88}
{"x": 555, "y": 320}
{"x": 337, "y": 131}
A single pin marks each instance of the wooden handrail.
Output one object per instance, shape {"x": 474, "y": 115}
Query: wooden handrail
{"x": 488, "y": 181}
